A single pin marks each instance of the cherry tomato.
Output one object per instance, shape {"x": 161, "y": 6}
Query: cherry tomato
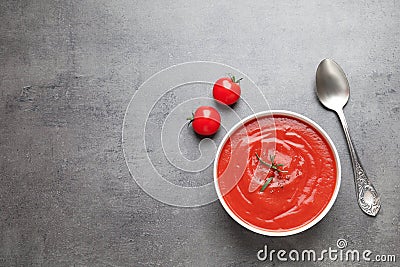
{"x": 205, "y": 121}
{"x": 227, "y": 90}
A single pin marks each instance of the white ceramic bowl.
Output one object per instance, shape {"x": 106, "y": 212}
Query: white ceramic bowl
{"x": 274, "y": 232}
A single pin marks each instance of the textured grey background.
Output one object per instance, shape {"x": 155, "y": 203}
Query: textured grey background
{"x": 66, "y": 196}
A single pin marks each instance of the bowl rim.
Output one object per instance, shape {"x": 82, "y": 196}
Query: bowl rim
{"x": 316, "y": 127}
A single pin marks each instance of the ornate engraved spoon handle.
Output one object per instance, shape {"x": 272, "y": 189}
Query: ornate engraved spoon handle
{"x": 367, "y": 197}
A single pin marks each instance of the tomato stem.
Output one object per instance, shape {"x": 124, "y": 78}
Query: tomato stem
{"x": 233, "y": 78}
{"x": 190, "y": 119}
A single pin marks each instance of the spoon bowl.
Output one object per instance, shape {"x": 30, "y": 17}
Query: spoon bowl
{"x": 333, "y": 89}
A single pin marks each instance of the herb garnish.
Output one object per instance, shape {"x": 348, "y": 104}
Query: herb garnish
{"x": 273, "y": 165}
{"x": 266, "y": 184}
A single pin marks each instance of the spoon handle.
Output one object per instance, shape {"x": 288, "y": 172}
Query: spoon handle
{"x": 367, "y": 197}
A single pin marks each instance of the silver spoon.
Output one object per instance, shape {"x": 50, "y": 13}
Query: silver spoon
{"x": 333, "y": 91}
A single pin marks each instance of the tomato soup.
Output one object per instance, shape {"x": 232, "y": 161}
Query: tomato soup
{"x": 297, "y": 193}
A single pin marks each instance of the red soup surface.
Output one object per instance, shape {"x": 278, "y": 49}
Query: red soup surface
{"x": 294, "y": 197}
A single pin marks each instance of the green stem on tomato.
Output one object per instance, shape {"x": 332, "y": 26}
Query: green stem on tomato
{"x": 190, "y": 119}
{"x": 233, "y": 78}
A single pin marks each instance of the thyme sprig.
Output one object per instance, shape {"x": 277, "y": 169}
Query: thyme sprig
{"x": 273, "y": 165}
{"x": 266, "y": 184}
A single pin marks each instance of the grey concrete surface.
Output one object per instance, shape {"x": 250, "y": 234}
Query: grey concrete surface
{"x": 69, "y": 68}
